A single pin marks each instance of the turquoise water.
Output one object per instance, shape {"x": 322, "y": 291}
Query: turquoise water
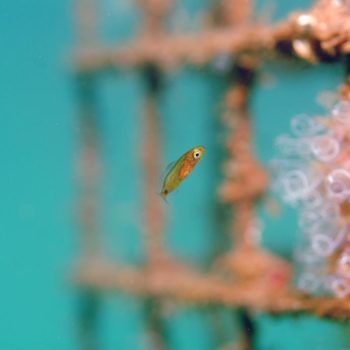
{"x": 38, "y": 148}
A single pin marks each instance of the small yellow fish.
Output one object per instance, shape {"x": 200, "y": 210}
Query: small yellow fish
{"x": 181, "y": 169}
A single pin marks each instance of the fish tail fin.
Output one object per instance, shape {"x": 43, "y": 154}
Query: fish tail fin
{"x": 164, "y": 194}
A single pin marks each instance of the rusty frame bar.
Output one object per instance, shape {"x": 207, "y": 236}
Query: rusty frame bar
{"x": 321, "y": 34}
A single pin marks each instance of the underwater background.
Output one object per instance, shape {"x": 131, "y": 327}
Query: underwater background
{"x": 39, "y": 143}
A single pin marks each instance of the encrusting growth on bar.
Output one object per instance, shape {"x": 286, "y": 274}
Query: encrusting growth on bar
{"x": 320, "y": 34}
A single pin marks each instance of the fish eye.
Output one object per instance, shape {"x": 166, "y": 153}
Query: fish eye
{"x": 196, "y": 154}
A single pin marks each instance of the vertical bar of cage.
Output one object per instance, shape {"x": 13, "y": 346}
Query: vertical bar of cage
{"x": 237, "y": 102}
{"x": 234, "y": 14}
{"x": 154, "y": 213}
{"x": 249, "y": 329}
{"x": 240, "y": 84}
{"x": 89, "y": 177}
{"x": 153, "y": 28}
{"x": 89, "y": 167}
{"x": 88, "y": 205}
{"x": 151, "y": 154}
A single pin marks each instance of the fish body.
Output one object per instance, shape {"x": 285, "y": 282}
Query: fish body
{"x": 182, "y": 168}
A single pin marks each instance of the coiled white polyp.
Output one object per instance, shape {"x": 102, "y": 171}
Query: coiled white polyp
{"x": 324, "y": 245}
{"x": 343, "y": 266}
{"x": 307, "y": 256}
{"x": 341, "y": 112}
{"x": 302, "y": 125}
{"x": 317, "y": 216}
{"x": 338, "y": 184}
{"x": 290, "y": 146}
{"x": 325, "y": 148}
{"x": 312, "y": 201}
{"x": 340, "y": 286}
{"x": 311, "y": 226}
{"x": 294, "y": 185}
{"x": 313, "y": 174}
{"x": 282, "y": 165}
{"x": 309, "y": 282}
